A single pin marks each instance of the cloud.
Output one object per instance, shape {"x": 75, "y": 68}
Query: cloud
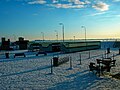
{"x": 101, "y": 6}
{"x": 66, "y": 6}
{"x": 95, "y": 14}
{"x": 79, "y": 2}
{"x": 37, "y": 2}
{"x": 74, "y": 4}
{"x": 76, "y": 1}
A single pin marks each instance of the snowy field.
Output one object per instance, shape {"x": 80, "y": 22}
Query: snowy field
{"x": 34, "y": 72}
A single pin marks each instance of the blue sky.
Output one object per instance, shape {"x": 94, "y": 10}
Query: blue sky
{"x": 28, "y": 18}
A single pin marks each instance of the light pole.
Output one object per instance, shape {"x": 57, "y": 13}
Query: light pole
{"x": 42, "y": 36}
{"x": 62, "y": 30}
{"x": 56, "y": 35}
{"x": 85, "y": 35}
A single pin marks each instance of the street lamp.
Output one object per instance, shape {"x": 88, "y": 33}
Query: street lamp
{"x": 56, "y": 35}
{"x": 62, "y": 30}
{"x": 42, "y": 36}
{"x": 85, "y": 35}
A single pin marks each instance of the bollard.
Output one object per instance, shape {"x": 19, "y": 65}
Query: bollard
{"x": 7, "y": 55}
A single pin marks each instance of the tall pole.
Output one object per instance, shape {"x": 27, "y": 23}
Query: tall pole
{"x": 56, "y": 35}
{"x": 62, "y": 30}
{"x": 42, "y": 36}
{"x": 85, "y": 35}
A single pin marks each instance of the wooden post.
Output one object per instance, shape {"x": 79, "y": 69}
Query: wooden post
{"x": 89, "y": 54}
{"x": 113, "y": 56}
{"x": 99, "y": 69}
{"x": 51, "y": 67}
{"x": 80, "y": 58}
{"x": 70, "y": 62}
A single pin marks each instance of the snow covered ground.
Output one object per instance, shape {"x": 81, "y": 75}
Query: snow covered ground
{"x": 34, "y": 72}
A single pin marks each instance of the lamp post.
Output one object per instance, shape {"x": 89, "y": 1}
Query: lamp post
{"x": 62, "y": 30}
{"x": 56, "y": 35}
{"x": 42, "y": 36}
{"x": 85, "y": 35}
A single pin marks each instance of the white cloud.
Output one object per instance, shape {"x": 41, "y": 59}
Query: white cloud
{"x": 76, "y": 1}
{"x": 101, "y": 6}
{"x": 59, "y": 5}
{"x": 66, "y": 5}
{"x": 75, "y": 4}
{"x": 37, "y": 2}
{"x": 69, "y": 4}
{"x": 95, "y": 14}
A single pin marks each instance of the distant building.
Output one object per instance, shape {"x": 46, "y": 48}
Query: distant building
{"x": 65, "y": 47}
{"x": 23, "y": 44}
{"x": 5, "y": 45}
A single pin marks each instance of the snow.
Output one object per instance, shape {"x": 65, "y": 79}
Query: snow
{"x": 34, "y": 72}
